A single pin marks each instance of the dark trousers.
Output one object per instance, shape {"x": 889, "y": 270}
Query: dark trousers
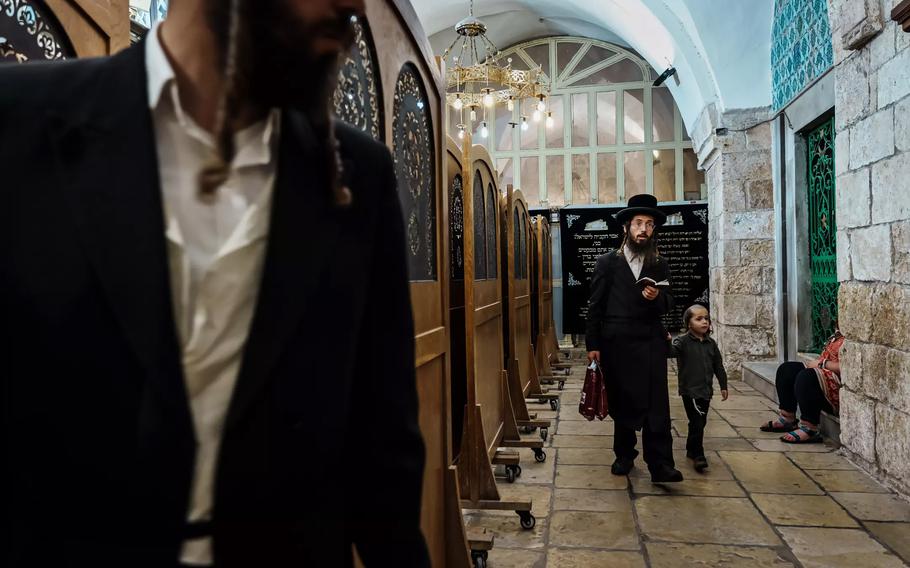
{"x": 658, "y": 446}
{"x": 697, "y": 412}
{"x": 798, "y": 386}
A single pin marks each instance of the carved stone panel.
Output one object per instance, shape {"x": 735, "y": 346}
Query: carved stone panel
{"x": 415, "y": 168}
{"x": 28, "y": 32}
{"x": 358, "y": 98}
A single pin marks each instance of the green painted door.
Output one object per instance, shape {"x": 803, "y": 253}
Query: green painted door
{"x": 822, "y": 233}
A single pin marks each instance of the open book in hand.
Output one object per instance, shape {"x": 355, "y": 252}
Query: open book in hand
{"x": 645, "y": 281}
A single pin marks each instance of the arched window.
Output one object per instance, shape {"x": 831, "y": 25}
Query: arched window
{"x": 456, "y": 227}
{"x": 480, "y": 233}
{"x": 613, "y": 134}
{"x": 523, "y": 246}
{"x": 492, "y": 233}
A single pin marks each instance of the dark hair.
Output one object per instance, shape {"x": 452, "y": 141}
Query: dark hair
{"x": 690, "y": 313}
{"x": 236, "y": 40}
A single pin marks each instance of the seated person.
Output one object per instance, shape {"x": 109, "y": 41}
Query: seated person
{"x": 812, "y": 387}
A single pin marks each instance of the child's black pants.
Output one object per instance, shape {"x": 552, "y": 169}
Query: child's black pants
{"x": 697, "y": 411}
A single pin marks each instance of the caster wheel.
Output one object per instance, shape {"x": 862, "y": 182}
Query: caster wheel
{"x": 540, "y": 456}
{"x": 544, "y": 433}
{"x": 510, "y": 474}
{"x": 479, "y": 557}
{"x": 562, "y": 385}
{"x": 527, "y": 520}
{"x": 554, "y": 404}
{"x": 517, "y": 471}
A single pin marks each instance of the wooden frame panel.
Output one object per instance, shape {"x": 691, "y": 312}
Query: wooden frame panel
{"x": 94, "y": 27}
{"x": 399, "y": 40}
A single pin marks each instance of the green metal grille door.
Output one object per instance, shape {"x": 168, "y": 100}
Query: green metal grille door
{"x": 822, "y": 233}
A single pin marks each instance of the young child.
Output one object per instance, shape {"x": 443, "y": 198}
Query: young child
{"x": 699, "y": 361}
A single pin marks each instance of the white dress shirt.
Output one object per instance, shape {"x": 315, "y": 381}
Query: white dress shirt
{"x": 216, "y": 253}
{"x": 635, "y": 261}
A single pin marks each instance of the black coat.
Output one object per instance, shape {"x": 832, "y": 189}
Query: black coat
{"x": 321, "y": 447}
{"x": 627, "y": 330}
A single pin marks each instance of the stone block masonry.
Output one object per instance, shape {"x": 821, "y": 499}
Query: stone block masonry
{"x": 741, "y": 209}
{"x": 872, "y": 92}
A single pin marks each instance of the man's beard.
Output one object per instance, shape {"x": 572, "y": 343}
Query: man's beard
{"x": 277, "y": 66}
{"x": 640, "y": 247}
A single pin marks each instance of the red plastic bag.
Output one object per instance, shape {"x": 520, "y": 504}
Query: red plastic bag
{"x": 593, "y": 402}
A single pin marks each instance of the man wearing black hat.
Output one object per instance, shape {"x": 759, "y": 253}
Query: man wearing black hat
{"x": 624, "y": 333}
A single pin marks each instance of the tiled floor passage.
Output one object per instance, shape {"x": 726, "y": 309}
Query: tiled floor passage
{"x": 761, "y": 503}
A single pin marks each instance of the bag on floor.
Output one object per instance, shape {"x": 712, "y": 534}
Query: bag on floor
{"x": 593, "y": 402}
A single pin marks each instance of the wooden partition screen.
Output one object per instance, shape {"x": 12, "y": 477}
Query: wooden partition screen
{"x": 390, "y": 87}
{"x": 516, "y": 253}
{"x": 547, "y": 347}
{"x": 32, "y": 30}
{"x": 480, "y": 388}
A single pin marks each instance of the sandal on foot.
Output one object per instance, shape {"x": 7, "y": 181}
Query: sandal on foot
{"x": 802, "y": 435}
{"x": 779, "y": 425}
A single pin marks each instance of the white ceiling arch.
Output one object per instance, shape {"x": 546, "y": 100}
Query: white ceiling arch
{"x": 720, "y": 48}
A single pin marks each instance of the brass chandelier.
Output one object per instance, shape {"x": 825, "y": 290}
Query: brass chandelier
{"x": 477, "y": 81}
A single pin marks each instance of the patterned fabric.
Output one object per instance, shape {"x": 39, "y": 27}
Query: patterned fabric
{"x": 829, "y": 381}
{"x": 801, "y": 49}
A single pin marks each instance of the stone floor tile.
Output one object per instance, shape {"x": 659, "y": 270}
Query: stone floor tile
{"x": 593, "y": 530}
{"x": 570, "y": 414}
{"x": 747, "y": 418}
{"x": 803, "y": 510}
{"x": 714, "y": 520}
{"x": 895, "y": 535}
{"x": 846, "y": 481}
{"x": 874, "y": 506}
{"x": 778, "y": 446}
{"x": 745, "y": 402}
{"x": 585, "y": 456}
{"x": 714, "y": 429}
{"x": 829, "y": 461}
{"x": 598, "y": 500}
{"x": 690, "y": 486}
{"x": 533, "y": 471}
{"x": 734, "y": 444}
{"x": 589, "y": 477}
{"x": 585, "y": 428}
{"x": 539, "y": 495}
{"x": 717, "y": 469}
{"x": 576, "y": 558}
{"x": 836, "y": 548}
{"x": 507, "y": 533}
{"x": 769, "y": 472}
{"x": 675, "y": 555}
{"x": 516, "y": 558}
{"x": 572, "y": 441}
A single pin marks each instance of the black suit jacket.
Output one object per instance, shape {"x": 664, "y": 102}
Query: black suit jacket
{"x": 321, "y": 447}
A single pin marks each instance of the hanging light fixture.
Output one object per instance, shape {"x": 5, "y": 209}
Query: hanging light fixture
{"x": 475, "y": 76}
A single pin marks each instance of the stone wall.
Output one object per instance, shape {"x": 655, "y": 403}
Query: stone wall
{"x": 873, "y": 207}
{"x": 737, "y": 164}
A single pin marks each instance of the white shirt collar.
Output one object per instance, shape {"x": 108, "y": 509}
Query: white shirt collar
{"x": 254, "y": 144}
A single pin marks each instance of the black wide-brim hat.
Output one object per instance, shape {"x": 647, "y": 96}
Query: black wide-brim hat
{"x": 642, "y": 204}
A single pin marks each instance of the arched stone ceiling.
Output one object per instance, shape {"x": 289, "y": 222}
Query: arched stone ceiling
{"x": 720, "y": 48}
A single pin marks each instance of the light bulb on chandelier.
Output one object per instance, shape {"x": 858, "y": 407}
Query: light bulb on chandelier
{"x": 524, "y": 123}
{"x": 541, "y": 106}
{"x": 511, "y": 104}
{"x": 536, "y": 116}
{"x": 488, "y": 99}
{"x": 473, "y": 114}
{"x": 549, "y": 120}
{"x": 484, "y": 131}
{"x": 460, "y": 132}
{"x": 458, "y": 104}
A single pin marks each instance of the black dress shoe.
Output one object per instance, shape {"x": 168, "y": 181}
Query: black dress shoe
{"x": 701, "y": 464}
{"x": 666, "y": 474}
{"x": 622, "y": 466}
